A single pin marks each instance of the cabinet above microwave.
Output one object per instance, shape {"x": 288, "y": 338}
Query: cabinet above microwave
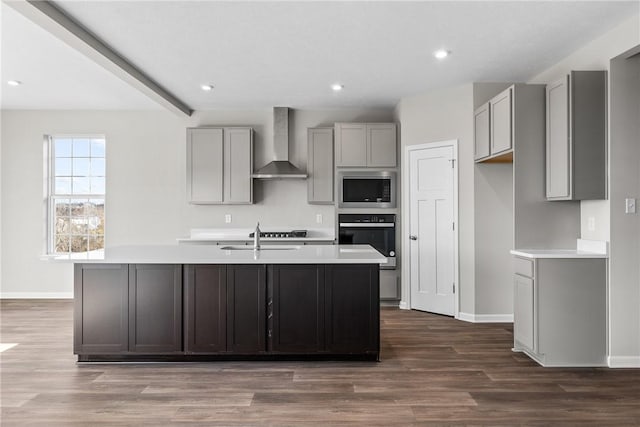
{"x": 367, "y": 189}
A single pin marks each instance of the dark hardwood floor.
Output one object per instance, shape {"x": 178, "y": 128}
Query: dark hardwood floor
{"x": 434, "y": 371}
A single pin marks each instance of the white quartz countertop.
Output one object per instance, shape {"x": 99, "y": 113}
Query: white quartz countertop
{"x": 212, "y": 235}
{"x": 221, "y": 254}
{"x": 584, "y": 249}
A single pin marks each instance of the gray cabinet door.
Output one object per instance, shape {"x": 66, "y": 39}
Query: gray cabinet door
{"x": 501, "y": 133}
{"x": 576, "y": 136}
{"x": 523, "y": 312}
{"x": 320, "y": 165}
{"x": 204, "y": 165}
{"x": 155, "y": 308}
{"x": 481, "y": 132}
{"x": 101, "y": 322}
{"x": 238, "y": 165}
{"x": 381, "y": 145}
{"x": 205, "y": 320}
{"x": 351, "y": 144}
{"x": 559, "y": 159}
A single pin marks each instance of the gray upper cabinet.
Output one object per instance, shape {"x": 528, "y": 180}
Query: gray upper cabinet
{"x": 501, "y": 134}
{"x": 481, "y": 132}
{"x": 576, "y": 137}
{"x": 204, "y": 165}
{"x": 381, "y": 145}
{"x": 238, "y": 166}
{"x": 366, "y": 145}
{"x": 219, "y": 165}
{"x": 320, "y": 165}
{"x": 493, "y": 128}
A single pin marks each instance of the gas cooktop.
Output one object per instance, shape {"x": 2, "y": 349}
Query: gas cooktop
{"x": 282, "y": 234}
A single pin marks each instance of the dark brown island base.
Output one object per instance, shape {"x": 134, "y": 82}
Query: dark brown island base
{"x": 205, "y": 312}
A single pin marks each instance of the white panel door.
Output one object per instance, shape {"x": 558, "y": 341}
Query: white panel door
{"x": 431, "y": 229}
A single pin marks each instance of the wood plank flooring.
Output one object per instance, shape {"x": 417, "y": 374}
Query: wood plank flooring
{"x": 434, "y": 371}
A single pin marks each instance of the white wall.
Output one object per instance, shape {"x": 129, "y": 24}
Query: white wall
{"x": 624, "y": 158}
{"x": 146, "y": 183}
{"x": 595, "y": 56}
{"x": 440, "y": 115}
{"x": 611, "y": 224}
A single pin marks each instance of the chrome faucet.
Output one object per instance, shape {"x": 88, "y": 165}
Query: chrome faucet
{"x": 256, "y": 238}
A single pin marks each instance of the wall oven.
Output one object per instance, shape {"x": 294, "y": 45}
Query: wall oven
{"x": 377, "y": 230}
{"x": 376, "y": 189}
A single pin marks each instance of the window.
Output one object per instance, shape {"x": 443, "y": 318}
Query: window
{"x": 76, "y": 196}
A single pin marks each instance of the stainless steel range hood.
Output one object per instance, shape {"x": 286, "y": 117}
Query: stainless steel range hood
{"x": 280, "y": 167}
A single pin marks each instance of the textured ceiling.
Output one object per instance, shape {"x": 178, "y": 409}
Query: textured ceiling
{"x": 261, "y": 54}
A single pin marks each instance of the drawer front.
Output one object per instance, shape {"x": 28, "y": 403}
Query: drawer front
{"x": 523, "y": 266}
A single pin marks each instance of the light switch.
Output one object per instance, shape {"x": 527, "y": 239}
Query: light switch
{"x": 319, "y": 218}
{"x": 630, "y": 206}
{"x": 227, "y": 218}
{"x": 591, "y": 223}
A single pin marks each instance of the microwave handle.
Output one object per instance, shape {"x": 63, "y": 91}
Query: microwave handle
{"x": 367, "y": 224}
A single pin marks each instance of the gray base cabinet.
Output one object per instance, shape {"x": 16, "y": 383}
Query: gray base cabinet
{"x": 138, "y": 312}
{"x": 560, "y": 310}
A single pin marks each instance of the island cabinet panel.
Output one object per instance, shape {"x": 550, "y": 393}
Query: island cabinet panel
{"x": 155, "y": 308}
{"x": 246, "y": 311}
{"x": 352, "y": 308}
{"x": 205, "y": 304}
{"x": 195, "y": 312}
{"x": 295, "y": 308}
{"x": 101, "y": 318}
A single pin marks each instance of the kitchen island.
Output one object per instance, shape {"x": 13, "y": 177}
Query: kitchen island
{"x": 195, "y": 302}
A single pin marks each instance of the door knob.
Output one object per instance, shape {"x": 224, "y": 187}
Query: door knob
{"x": 413, "y": 237}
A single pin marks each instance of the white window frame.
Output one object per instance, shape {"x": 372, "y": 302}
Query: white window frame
{"x": 51, "y": 197}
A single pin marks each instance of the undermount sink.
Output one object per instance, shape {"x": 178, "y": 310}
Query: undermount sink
{"x": 262, "y": 248}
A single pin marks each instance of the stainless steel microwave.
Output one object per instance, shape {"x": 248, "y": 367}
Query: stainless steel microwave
{"x": 376, "y": 189}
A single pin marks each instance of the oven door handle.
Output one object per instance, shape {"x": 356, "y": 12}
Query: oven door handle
{"x": 367, "y": 225}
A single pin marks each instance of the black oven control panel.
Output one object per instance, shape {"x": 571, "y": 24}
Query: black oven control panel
{"x": 367, "y": 218}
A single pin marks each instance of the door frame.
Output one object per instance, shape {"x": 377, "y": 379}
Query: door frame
{"x": 405, "y": 302}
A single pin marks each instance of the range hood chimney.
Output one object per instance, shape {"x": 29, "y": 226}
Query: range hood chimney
{"x": 280, "y": 167}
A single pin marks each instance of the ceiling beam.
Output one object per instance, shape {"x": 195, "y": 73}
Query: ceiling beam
{"x": 47, "y": 15}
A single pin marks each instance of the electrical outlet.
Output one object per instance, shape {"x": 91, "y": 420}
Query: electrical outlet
{"x": 591, "y": 223}
{"x": 227, "y": 218}
{"x": 630, "y": 206}
{"x": 319, "y": 218}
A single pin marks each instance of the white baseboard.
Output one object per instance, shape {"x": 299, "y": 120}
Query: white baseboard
{"x": 36, "y": 295}
{"x": 623, "y": 361}
{"x": 485, "y": 318}
{"x": 403, "y": 305}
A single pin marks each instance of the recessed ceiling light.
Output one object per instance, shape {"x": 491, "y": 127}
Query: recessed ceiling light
{"x": 14, "y": 82}
{"x": 441, "y": 53}
{"x": 206, "y": 88}
{"x": 337, "y": 87}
